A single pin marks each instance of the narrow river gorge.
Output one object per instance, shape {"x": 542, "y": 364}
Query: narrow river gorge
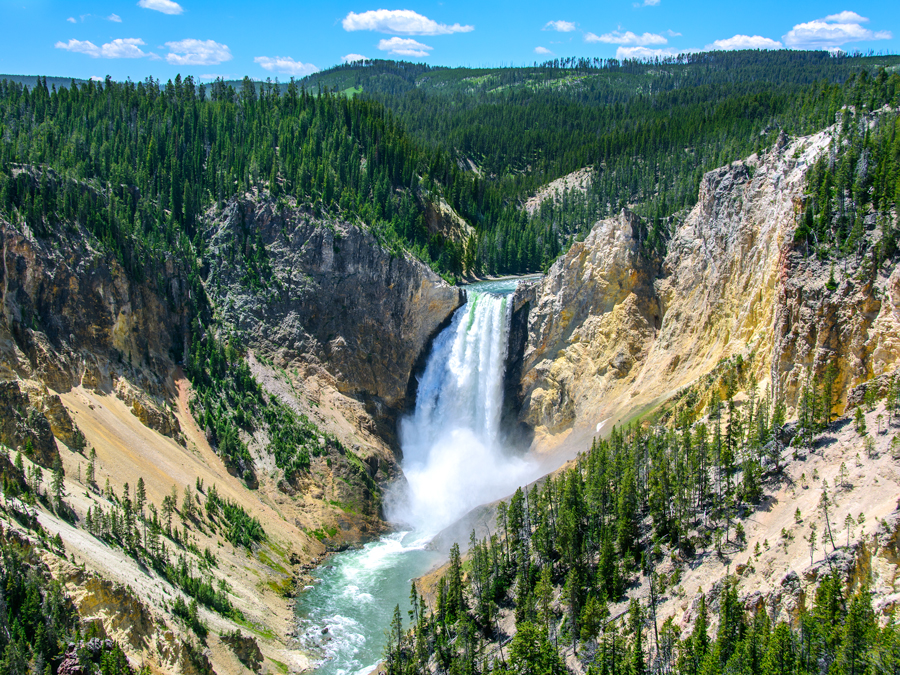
{"x": 455, "y": 458}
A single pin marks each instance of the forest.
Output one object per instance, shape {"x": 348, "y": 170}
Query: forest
{"x": 159, "y": 537}
{"x": 142, "y": 168}
{"x": 566, "y": 549}
{"x": 649, "y": 130}
{"x": 38, "y": 620}
{"x": 140, "y": 164}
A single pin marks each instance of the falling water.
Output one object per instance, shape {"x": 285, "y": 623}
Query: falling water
{"x": 453, "y": 453}
{"x": 454, "y": 459}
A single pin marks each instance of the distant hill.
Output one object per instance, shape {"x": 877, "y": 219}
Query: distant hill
{"x": 585, "y": 76}
{"x": 30, "y": 80}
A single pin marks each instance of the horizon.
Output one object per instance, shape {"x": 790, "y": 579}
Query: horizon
{"x": 162, "y": 38}
{"x": 644, "y": 60}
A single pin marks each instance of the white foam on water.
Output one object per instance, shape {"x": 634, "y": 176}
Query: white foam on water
{"x": 454, "y": 458}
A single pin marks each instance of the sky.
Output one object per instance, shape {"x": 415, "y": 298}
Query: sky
{"x": 267, "y": 38}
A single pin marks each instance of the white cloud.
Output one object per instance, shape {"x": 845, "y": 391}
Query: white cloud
{"x": 164, "y": 6}
{"x": 97, "y": 78}
{"x": 71, "y": 19}
{"x": 560, "y": 26}
{"x": 542, "y": 50}
{"x": 350, "y": 58}
{"x": 832, "y": 31}
{"x": 192, "y": 52}
{"x": 626, "y": 38}
{"x": 286, "y": 65}
{"x": 115, "y": 18}
{"x": 404, "y": 47}
{"x": 400, "y": 22}
{"x": 121, "y": 48}
{"x": 79, "y": 47}
{"x": 846, "y": 17}
{"x": 744, "y": 42}
{"x": 623, "y": 53}
{"x": 647, "y": 3}
{"x": 127, "y": 48}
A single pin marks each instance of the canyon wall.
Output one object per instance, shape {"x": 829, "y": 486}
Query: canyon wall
{"x": 72, "y": 317}
{"x": 331, "y": 324}
{"x": 613, "y": 334}
{"x": 334, "y": 303}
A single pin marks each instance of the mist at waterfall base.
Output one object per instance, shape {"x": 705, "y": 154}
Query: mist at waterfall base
{"x": 453, "y": 451}
{"x": 454, "y": 459}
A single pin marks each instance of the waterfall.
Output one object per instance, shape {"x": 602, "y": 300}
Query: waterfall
{"x": 453, "y": 453}
{"x": 454, "y": 459}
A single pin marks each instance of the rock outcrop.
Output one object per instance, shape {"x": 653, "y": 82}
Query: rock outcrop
{"x": 245, "y": 649}
{"x": 596, "y": 312}
{"x": 23, "y": 427}
{"x": 612, "y": 334}
{"x": 326, "y": 298}
{"x": 333, "y": 302}
{"x": 443, "y": 220}
{"x": 72, "y": 316}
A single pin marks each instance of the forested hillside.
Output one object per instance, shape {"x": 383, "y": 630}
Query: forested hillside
{"x": 649, "y": 130}
{"x": 482, "y": 140}
{"x": 157, "y": 156}
{"x": 632, "y": 517}
{"x": 206, "y": 207}
{"x": 41, "y": 627}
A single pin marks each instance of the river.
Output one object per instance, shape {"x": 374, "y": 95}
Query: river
{"x": 454, "y": 459}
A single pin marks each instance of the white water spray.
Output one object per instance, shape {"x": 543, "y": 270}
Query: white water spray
{"x": 454, "y": 459}
{"x": 453, "y": 454}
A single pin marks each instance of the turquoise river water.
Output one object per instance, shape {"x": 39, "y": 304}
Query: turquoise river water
{"x": 453, "y": 460}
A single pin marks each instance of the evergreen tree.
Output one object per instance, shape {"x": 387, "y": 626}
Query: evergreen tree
{"x": 637, "y": 665}
{"x": 58, "y": 485}
{"x": 90, "y": 474}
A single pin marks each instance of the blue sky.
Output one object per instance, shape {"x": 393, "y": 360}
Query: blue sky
{"x": 161, "y": 38}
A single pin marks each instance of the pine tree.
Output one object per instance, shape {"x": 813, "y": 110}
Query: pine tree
{"x": 572, "y": 591}
{"x": 812, "y": 542}
{"x": 58, "y": 485}
{"x": 731, "y": 621}
{"x": 140, "y": 496}
{"x": 637, "y": 665}
{"x": 780, "y": 656}
{"x": 593, "y": 615}
{"x": 456, "y": 604}
{"x": 543, "y": 592}
{"x": 91, "y": 473}
{"x": 856, "y": 635}
{"x": 824, "y": 504}
{"x": 860, "y": 421}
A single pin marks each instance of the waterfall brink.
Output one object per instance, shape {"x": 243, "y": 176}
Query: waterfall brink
{"x": 453, "y": 453}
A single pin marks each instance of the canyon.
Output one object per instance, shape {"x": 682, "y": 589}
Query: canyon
{"x": 336, "y": 325}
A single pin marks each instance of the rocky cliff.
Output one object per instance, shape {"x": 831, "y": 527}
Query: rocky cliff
{"x": 330, "y": 323}
{"x": 612, "y": 334}
{"x": 71, "y": 317}
{"x": 325, "y": 298}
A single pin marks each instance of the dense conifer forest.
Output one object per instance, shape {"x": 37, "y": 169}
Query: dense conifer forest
{"x": 567, "y": 547}
{"x": 649, "y": 130}
{"x": 138, "y": 164}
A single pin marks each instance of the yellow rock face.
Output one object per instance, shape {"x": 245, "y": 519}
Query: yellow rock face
{"x": 612, "y": 334}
